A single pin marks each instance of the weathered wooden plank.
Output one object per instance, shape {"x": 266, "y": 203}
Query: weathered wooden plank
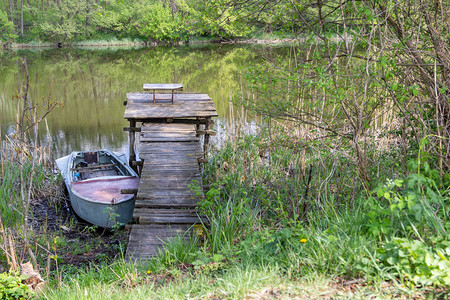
{"x": 147, "y": 148}
{"x": 168, "y": 140}
{"x": 168, "y": 133}
{"x": 158, "y": 138}
{"x": 155, "y": 156}
{"x": 173, "y": 178}
{"x": 183, "y": 163}
{"x": 167, "y": 126}
{"x": 146, "y": 252}
{"x": 147, "y": 231}
{"x": 143, "y": 113}
{"x": 150, "y": 239}
{"x": 142, "y": 254}
{"x": 168, "y": 172}
{"x": 175, "y": 127}
{"x": 176, "y": 110}
{"x": 168, "y": 137}
{"x": 141, "y": 211}
{"x": 173, "y": 161}
{"x": 169, "y": 184}
{"x": 160, "y": 153}
{"x": 170, "y": 148}
{"x": 154, "y": 237}
{"x": 187, "y": 120}
{"x": 166, "y": 228}
{"x": 178, "y": 97}
{"x": 166, "y": 184}
{"x": 163, "y": 86}
{"x": 168, "y": 159}
{"x": 171, "y": 168}
{"x": 155, "y": 174}
{"x": 151, "y": 193}
{"x": 166, "y": 203}
{"x": 192, "y": 105}
{"x": 188, "y": 151}
{"x": 174, "y": 146}
{"x": 169, "y": 220}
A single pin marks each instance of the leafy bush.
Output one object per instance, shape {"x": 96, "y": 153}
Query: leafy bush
{"x": 418, "y": 262}
{"x": 417, "y": 205}
{"x": 12, "y": 288}
{"x": 6, "y": 27}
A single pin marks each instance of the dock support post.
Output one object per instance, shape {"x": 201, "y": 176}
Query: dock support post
{"x": 132, "y": 137}
{"x": 197, "y": 126}
{"x": 206, "y": 141}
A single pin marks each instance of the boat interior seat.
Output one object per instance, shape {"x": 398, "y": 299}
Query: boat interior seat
{"x": 91, "y": 157}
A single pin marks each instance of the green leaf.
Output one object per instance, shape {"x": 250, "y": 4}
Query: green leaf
{"x": 398, "y": 182}
{"x": 218, "y": 257}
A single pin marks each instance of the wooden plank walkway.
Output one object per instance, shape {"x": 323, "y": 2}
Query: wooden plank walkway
{"x": 169, "y": 146}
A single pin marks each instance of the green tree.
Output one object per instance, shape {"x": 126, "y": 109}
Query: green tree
{"x": 359, "y": 66}
{"x": 6, "y": 28}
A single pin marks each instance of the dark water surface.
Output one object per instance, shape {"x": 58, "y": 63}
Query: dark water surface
{"x": 92, "y": 85}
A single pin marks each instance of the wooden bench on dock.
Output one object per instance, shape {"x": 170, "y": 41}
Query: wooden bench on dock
{"x": 162, "y": 87}
{"x": 167, "y": 139}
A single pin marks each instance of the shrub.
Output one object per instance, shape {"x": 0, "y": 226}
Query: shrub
{"x": 11, "y": 287}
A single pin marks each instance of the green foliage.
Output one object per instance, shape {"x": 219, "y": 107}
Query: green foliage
{"x": 417, "y": 262}
{"x": 155, "y": 21}
{"x": 63, "y": 21}
{"x": 6, "y": 28}
{"x": 415, "y": 206}
{"x": 12, "y": 288}
{"x": 71, "y": 20}
{"x": 11, "y": 206}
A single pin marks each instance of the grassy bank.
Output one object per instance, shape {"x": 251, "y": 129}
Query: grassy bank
{"x": 282, "y": 227}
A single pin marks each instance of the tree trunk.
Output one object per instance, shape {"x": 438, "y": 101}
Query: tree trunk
{"x": 17, "y": 16}
{"x": 88, "y": 19}
{"x": 21, "y": 17}
{"x": 12, "y": 14}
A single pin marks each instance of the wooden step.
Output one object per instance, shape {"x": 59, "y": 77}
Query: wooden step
{"x": 170, "y": 220}
{"x": 146, "y": 240}
{"x": 167, "y": 216}
{"x": 166, "y": 204}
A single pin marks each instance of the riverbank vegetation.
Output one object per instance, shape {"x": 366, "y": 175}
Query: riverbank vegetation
{"x": 344, "y": 191}
{"x": 65, "y": 22}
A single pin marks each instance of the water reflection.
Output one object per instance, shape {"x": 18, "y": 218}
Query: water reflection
{"x": 92, "y": 85}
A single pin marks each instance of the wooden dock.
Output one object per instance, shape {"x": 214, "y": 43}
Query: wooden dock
{"x": 170, "y": 155}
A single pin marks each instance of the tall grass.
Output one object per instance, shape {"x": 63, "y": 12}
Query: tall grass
{"x": 11, "y": 206}
{"x": 282, "y": 221}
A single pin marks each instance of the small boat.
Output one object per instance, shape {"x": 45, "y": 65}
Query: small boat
{"x": 94, "y": 181}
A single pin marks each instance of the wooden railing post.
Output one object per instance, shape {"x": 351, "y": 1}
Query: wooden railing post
{"x": 132, "y": 138}
{"x": 206, "y": 140}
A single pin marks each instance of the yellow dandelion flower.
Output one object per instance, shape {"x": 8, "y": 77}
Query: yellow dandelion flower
{"x": 149, "y": 272}
{"x": 303, "y": 240}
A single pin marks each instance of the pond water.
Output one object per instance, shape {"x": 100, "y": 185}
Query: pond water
{"x": 92, "y": 85}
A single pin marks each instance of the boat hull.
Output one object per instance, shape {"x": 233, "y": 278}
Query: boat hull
{"x": 97, "y": 198}
{"x": 102, "y": 214}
